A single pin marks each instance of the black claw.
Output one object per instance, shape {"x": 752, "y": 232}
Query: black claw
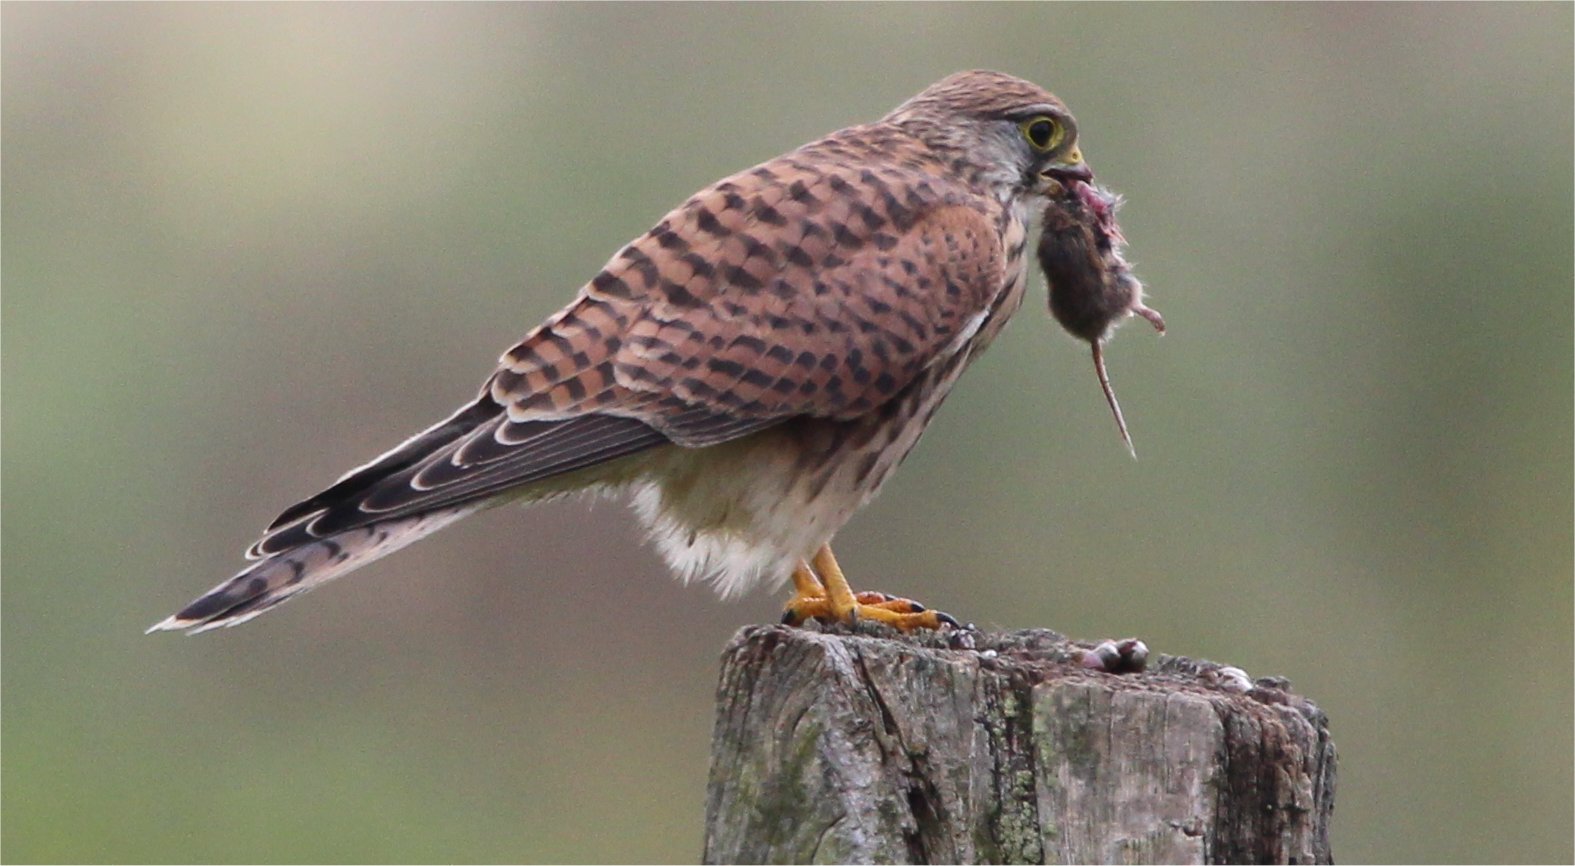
{"x": 947, "y": 619}
{"x": 790, "y": 617}
{"x": 919, "y": 608}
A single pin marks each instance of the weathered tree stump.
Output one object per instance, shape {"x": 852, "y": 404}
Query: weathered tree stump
{"x": 864, "y": 747}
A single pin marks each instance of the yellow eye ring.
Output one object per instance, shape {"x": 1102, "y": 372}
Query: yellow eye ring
{"x": 1043, "y": 133}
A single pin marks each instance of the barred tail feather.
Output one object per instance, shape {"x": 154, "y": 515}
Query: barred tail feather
{"x": 278, "y": 578}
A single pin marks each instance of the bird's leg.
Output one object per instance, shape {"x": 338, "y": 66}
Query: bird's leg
{"x": 806, "y": 586}
{"x": 847, "y": 605}
{"x": 830, "y": 598}
{"x": 809, "y": 599}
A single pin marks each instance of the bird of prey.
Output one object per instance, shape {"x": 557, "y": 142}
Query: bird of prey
{"x": 750, "y": 370}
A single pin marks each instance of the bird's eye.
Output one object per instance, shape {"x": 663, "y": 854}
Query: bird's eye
{"x": 1043, "y": 133}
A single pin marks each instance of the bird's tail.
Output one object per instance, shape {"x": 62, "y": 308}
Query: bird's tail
{"x": 274, "y": 580}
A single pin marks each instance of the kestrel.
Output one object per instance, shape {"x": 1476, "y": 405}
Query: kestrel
{"x": 751, "y": 369}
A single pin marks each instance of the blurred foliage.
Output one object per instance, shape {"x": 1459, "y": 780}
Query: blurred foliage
{"x": 247, "y": 247}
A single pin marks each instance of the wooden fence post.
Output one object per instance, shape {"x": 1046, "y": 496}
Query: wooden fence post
{"x": 859, "y": 747}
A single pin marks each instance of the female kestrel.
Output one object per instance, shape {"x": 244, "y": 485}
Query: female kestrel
{"x": 751, "y": 369}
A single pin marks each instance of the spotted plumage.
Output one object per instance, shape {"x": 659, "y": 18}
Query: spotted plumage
{"x": 751, "y": 369}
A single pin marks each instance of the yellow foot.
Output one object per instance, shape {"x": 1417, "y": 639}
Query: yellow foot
{"x": 901, "y": 613}
{"x": 834, "y": 602}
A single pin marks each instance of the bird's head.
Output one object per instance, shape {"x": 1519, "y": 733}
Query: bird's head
{"x": 1011, "y": 135}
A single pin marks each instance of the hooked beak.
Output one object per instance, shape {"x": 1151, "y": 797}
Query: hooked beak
{"x": 1063, "y": 171}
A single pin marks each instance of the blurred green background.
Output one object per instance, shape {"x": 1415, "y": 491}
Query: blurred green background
{"x": 248, "y": 247}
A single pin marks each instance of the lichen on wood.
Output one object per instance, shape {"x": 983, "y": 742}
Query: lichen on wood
{"x": 864, "y": 746}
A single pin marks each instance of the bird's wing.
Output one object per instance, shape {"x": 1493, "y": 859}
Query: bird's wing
{"x": 781, "y": 292}
{"x": 786, "y": 290}
{"x": 789, "y": 290}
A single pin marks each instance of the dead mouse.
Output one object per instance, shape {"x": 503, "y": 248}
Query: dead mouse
{"x": 1092, "y": 289}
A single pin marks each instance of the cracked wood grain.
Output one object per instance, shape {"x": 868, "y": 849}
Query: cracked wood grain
{"x": 864, "y": 747}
